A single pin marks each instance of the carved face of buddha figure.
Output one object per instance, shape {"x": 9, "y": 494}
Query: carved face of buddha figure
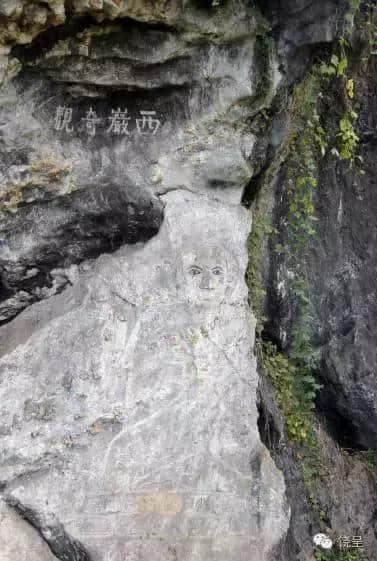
{"x": 205, "y": 273}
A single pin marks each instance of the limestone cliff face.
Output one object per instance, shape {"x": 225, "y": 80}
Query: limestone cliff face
{"x": 130, "y": 425}
{"x": 136, "y": 421}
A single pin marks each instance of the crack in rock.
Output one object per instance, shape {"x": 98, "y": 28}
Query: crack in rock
{"x": 62, "y": 545}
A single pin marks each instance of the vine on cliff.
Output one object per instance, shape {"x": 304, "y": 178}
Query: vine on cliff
{"x": 291, "y": 372}
{"x": 308, "y": 139}
{"x": 292, "y": 375}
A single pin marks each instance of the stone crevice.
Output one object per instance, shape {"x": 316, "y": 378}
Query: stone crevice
{"x": 61, "y": 544}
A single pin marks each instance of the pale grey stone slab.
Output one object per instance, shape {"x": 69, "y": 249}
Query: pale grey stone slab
{"x": 132, "y": 415}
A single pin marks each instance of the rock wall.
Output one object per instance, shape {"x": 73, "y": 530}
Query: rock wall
{"x": 130, "y": 426}
{"x": 143, "y": 402}
{"x": 320, "y": 300}
{"x": 146, "y": 152}
{"x": 74, "y": 187}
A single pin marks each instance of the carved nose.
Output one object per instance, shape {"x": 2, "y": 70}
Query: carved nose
{"x": 204, "y": 283}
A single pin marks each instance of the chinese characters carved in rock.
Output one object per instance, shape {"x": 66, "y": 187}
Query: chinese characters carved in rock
{"x": 118, "y": 122}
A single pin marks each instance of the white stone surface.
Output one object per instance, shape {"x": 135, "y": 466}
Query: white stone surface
{"x": 132, "y": 413}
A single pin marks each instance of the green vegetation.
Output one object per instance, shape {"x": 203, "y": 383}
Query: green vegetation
{"x": 353, "y": 8}
{"x": 347, "y": 139}
{"x": 307, "y": 147}
{"x": 335, "y": 67}
{"x": 370, "y": 27}
{"x": 370, "y": 458}
{"x": 307, "y": 142}
{"x": 339, "y": 555}
{"x": 311, "y": 136}
{"x": 297, "y": 151}
{"x": 261, "y": 229}
{"x": 292, "y": 373}
{"x": 295, "y": 389}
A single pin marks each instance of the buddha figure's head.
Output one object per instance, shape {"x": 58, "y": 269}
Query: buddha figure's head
{"x": 205, "y": 272}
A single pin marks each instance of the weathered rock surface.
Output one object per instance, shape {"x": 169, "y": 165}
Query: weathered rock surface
{"x": 337, "y": 265}
{"x": 346, "y": 205}
{"x": 149, "y": 421}
{"x": 143, "y": 402}
{"x": 73, "y": 188}
{"x": 131, "y": 134}
{"x": 130, "y": 426}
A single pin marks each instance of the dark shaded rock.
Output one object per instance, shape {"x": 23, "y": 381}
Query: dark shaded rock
{"x": 346, "y": 489}
{"x": 300, "y": 27}
{"x": 302, "y": 22}
{"x": 70, "y": 192}
{"x": 338, "y": 267}
{"x": 30, "y": 546}
{"x": 61, "y": 544}
{"x": 340, "y": 262}
{"x": 66, "y": 230}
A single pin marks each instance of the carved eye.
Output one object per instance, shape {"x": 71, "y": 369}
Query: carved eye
{"x": 217, "y": 271}
{"x": 195, "y": 271}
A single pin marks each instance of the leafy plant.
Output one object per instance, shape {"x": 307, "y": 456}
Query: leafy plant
{"x": 370, "y": 27}
{"x": 292, "y": 374}
{"x": 308, "y": 140}
{"x": 336, "y": 67}
{"x": 369, "y": 457}
{"x": 295, "y": 392}
{"x": 339, "y": 555}
{"x": 350, "y": 87}
{"x": 261, "y": 228}
{"x": 353, "y": 7}
{"x": 348, "y": 139}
